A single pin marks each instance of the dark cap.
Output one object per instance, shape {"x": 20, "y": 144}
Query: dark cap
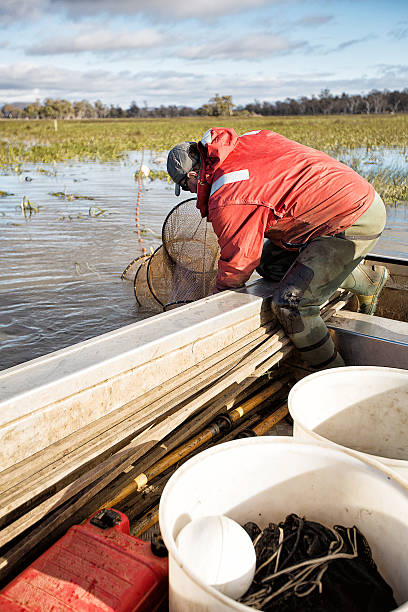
{"x": 180, "y": 160}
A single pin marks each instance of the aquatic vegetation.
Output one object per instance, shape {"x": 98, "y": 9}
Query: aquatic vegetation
{"x": 392, "y": 186}
{"x": 72, "y": 217}
{"x": 46, "y": 172}
{"x": 103, "y": 140}
{"x": 107, "y": 140}
{"x": 144, "y": 230}
{"x": 28, "y": 207}
{"x": 159, "y": 175}
{"x": 80, "y": 271}
{"x": 95, "y": 211}
{"x": 70, "y": 196}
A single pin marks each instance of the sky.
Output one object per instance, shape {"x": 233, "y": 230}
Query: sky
{"x": 183, "y": 52}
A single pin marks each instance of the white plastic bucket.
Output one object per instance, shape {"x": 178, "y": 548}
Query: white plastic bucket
{"x": 265, "y": 479}
{"x": 364, "y": 408}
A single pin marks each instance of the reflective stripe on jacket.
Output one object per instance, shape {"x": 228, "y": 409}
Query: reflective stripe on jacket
{"x": 264, "y": 185}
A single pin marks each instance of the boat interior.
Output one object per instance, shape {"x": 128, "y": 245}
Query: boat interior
{"x": 82, "y": 425}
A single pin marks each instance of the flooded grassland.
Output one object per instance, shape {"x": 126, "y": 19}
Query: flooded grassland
{"x": 68, "y": 197}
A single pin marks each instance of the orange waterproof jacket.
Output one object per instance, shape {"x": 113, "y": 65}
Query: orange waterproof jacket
{"x": 263, "y": 185}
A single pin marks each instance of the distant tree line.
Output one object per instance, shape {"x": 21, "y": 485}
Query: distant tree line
{"x": 63, "y": 109}
{"x": 324, "y": 104}
{"x": 328, "y": 104}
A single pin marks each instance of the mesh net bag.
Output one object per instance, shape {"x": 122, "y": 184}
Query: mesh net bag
{"x": 159, "y": 276}
{"x": 189, "y": 240}
{"x": 143, "y": 295}
{"x": 183, "y": 269}
{"x": 131, "y": 269}
{"x": 192, "y": 246}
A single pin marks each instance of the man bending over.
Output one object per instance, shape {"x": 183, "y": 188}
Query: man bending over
{"x": 319, "y": 218}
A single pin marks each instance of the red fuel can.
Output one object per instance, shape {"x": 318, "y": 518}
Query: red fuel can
{"x": 98, "y": 567}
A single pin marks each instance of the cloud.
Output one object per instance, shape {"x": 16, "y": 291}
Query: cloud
{"x": 351, "y": 43}
{"x": 26, "y": 82}
{"x": 19, "y": 10}
{"x": 393, "y": 71}
{"x": 314, "y": 20}
{"x": 98, "y": 41}
{"x": 252, "y": 47}
{"x": 93, "y": 38}
{"x": 400, "y": 31}
{"x": 181, "y": 9}
{"x": 387, "y": 77}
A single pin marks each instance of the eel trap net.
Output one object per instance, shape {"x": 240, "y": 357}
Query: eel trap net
{"x": 183, "y": 268}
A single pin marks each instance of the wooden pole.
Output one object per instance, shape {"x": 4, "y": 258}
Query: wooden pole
{"x": 266, "y": 425}
{"x": 234, "y": 414}
{"x": 151, "y": 518}
{"x": 146, "y": 522}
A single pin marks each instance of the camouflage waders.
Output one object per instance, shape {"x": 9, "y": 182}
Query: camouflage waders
{"x": 308, "y": 278}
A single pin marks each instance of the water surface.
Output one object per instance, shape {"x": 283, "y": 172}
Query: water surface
{"x": 60, "y": 268}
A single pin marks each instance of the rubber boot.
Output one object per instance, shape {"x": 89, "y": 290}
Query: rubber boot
{"x": 318, "y": 354}
{"x": 366, "y": 282}
{"x": 309, "y": 334}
